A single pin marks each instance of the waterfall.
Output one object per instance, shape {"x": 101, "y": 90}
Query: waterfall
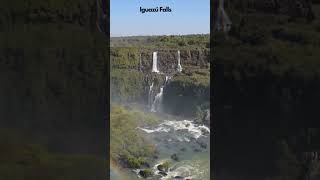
{"x": 150, "y": 95}
{"x": 167, "y": 79}
{"x": 156, "y": 105}
{"x": 155, "y": 63}
{"x": 157, "y": 102}
{"x": 179, "y": 68}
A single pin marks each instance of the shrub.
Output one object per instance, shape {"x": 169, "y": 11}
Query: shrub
{"x": 146, "y": 173}
{"x": 127, "y": 145}
{"x": 166, "y": 165}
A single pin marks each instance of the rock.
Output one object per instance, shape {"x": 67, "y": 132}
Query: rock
{"x": 160, "y": 167}
{"x": 163, "y": 173}
{"x": 167, "y": 59}
{"x": 202, "y": 144}
{"x": 187, "y": 125}
{"x": 145, "y": 164}
{"x": 197, "y": 150}
{"x": 179, "y": 177}
{"x": 175, "y": 157}
{"x": 207, "y": 118}
{"x": 204, "y": 132}
{"x": 163, "y": 167}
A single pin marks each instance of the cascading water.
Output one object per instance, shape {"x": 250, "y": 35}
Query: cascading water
{"x": 188, "y": 141}
{"x": 150, "y": 95}
{"x": 167, "y": 79}
{"x": 179, "y": 67}
{"x": 155, "y": 62}
{"x": 156, "y": 105}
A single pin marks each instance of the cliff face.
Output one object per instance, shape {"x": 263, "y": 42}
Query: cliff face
{"x": 267, "y": 66}
{"x": 43, "y": 12}
{"x": 129, "y": 84}
{"x": 168, "y": 59}
{"x": 292, "y": 8}
{"x": 265, "y": 75}
{"x": 129, "y": 58}
{"x": 53, "y": 72}
{"x": 264, "y": 98}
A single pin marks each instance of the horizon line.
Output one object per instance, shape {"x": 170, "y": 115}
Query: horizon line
{"x": 112, "y": 36}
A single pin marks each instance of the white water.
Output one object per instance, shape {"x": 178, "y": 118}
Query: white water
{"x": 156, "y": 105}
{"x": 183, "y": 171}
{"x": 189, "y": 169}
{"x": 179, "y": 68}
{"x": 150, "y": 95}
{"x": 167, "y": 79}
{"x": 194, "y": 130}
{"x": 155, "y": 63}
{"x": 170, "y": 137}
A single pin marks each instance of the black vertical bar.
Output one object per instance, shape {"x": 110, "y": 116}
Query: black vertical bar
{"x": 106, "y": 30}
{"x": 212, "y": 125}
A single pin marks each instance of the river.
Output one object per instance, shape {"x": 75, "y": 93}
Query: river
{"x": 185, "y": 144}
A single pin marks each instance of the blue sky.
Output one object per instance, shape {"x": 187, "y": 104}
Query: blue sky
{"x": 187, "y": 17}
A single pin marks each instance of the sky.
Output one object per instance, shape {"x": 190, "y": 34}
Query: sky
{"x": 187, "y": 17}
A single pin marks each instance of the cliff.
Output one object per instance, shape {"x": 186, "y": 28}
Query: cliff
{"x": 292, "y": 8}
{"x": 266, "y": 74}
{"x": 53, "y": 72}
{"x": 53, "y": 90}
{"x": 129, "y": 58}
{"x": 268, "y": 65}
{"x": 131, "y": 77}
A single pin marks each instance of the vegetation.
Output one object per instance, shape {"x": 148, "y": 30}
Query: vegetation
{"x": 267, "y": 57}
{"x": 124, "y": 58}
{"x": 185, "y": 93}
{"x": 146, "y": 173}
{"x": 127, "y": 145}
{"x": 126, "y": 85}
{"x": 23, "y": 159}
{"x": 129, "y": 84}
{"x": 54, "y": 61}
{"x": 287, "y": 163}
{"x": 164, "y": 166}
{"x": 163, "y": 42}
{"x": 266, "y": 71}
{"x": 270, "y": 41}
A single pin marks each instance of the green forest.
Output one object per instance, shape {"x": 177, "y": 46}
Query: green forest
{"x": 52, "y": 64}
{"x": 266, "y": 90}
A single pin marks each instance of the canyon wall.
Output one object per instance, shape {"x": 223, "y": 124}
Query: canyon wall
{"x": 131, "y": 80}
{"x": 53, "y": 72}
